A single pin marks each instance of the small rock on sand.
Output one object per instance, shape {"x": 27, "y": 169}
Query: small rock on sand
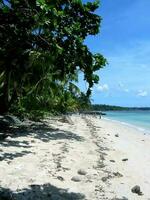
{"x": 76, "y": 179}
{"x": 82, "y": 172}
{"x": 117, "y": 174}
{"x": 104, "y": 179}
{"x": 32, "y": 141}
{"x": 60, "y": 178}
{"x": 124, "y": 159}
{"x": 112, "y": 160}
{"x": 116, "y": 135}
{"x": 136, "y": 189}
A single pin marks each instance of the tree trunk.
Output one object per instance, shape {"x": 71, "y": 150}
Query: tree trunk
{"x": 3, "y": 106}
{"x": 4, "y": 98}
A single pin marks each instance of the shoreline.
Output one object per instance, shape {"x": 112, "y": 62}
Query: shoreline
{"x": 81, "y": 157}
{"x": 130, "y": 125}
{"x": 132, "y": 144}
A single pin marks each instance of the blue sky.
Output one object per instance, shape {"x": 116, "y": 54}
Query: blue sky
{"x": 124, "y": 40}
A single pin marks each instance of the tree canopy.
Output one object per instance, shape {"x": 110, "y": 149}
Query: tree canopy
{"x": 42, "y": 52}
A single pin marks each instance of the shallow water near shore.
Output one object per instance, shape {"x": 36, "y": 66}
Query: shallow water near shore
{"x": 138, "y": 119}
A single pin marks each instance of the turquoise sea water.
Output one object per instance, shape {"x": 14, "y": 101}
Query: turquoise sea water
{"x": 140, "y": 119}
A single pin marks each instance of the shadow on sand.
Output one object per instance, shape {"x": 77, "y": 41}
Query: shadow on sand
{"x": 19, "y": 138}
{"x": 39, "y": 192}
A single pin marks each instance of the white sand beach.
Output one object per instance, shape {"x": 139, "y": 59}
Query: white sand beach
{"x": 83, "y": 158}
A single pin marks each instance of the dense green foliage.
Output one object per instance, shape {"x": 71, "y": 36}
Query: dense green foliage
{"x": 42, "y": 51}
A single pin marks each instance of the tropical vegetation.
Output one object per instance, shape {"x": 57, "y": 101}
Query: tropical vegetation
{"x": 42, "y": 52}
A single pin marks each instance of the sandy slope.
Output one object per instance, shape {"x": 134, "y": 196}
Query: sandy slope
{"x": 41, "y": 163}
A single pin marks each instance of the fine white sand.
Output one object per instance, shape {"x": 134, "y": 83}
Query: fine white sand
{"x": 39, "y": 163}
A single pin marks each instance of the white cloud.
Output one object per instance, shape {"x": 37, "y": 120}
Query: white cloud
{"x": 142, "y": 93}
{"x": 103, "y": 87}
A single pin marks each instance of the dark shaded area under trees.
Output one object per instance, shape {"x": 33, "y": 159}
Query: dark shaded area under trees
{"x": 38, "y": 192}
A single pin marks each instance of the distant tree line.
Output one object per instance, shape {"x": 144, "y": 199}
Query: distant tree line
{"x": 104, "y": 107}
{"x": 42, "y": 52}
